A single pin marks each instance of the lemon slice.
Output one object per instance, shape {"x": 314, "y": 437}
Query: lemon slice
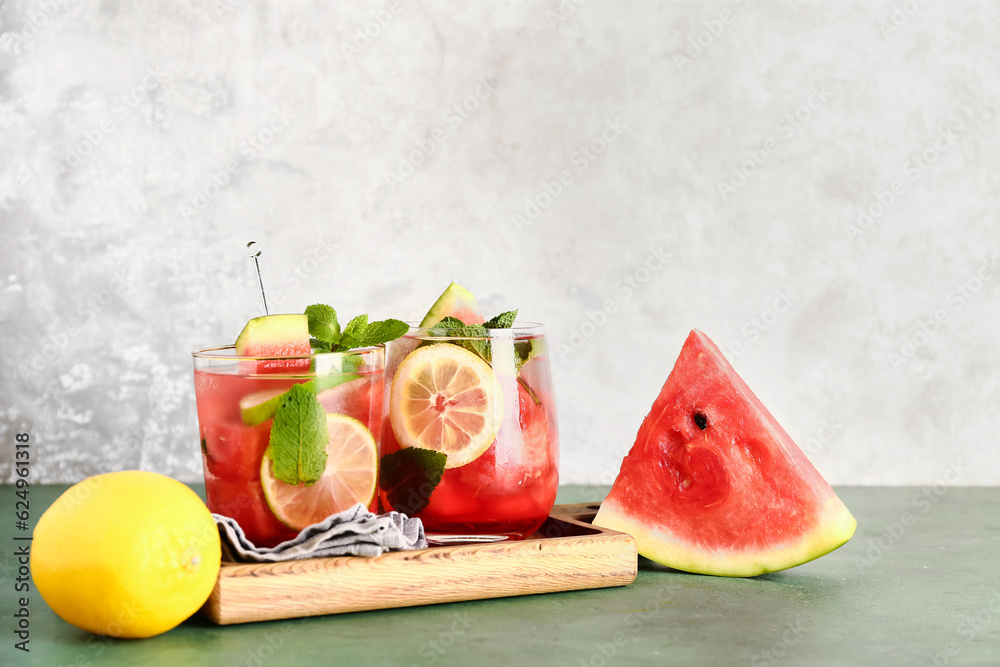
{"x": 447, "y": 399}
{"x": 349, "y": 478}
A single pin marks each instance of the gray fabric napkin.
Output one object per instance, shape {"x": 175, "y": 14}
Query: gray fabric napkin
{"x": 353, "y": 532}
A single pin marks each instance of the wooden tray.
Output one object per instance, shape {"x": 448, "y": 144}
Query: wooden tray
{"x": 567, "y": 553}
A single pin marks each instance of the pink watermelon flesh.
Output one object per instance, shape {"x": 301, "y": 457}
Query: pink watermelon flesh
{"x": 455, "y": 301}
{"x": 360, "y": 398}
{"x": 275, "y": 336}
{"x": 714, "y": 485}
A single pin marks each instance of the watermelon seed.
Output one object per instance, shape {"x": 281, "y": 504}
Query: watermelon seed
{"x": 701, "y": 420}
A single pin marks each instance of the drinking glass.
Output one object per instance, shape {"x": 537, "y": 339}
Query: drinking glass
{"x": 236, "y": 398}
{"x": 504, "y": 491}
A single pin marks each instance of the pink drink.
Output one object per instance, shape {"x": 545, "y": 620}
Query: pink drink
{"x": 510, "y": 489}
{"x": 232, "y": 449}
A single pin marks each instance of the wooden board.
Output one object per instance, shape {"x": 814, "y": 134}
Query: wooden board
{"x": 567, "y": 553}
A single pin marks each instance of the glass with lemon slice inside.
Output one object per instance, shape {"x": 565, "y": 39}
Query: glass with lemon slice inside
{"x": 470, "y": 444}
{"x": 241, "y": 398}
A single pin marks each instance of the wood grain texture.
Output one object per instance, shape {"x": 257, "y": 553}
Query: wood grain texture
{"x": 566, "y": 553}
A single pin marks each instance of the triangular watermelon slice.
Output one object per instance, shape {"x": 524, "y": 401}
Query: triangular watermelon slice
{"x": 714, "y": 485}
{"x": 275, "y": 336}
{"x": 455, "y": 301}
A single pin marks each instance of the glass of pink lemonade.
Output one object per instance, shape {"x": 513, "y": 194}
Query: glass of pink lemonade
{"x": 478, "y": 417}
{"x": 237, "y": 399}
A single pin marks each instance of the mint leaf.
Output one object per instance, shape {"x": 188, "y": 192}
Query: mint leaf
{"x": 359, "y": 332}
{"x": 526, "y": 350}
{"x": 502, "y": 321}
{"x": 409, "y": 476}
{"x": 479, "y": 337}
{"x": 383, "y": 331}
{"x": 346, "y": 343}
{"x": 356, "y": 326}
{"x": 323, "y": 324}
{"x": 350, "y": 363}
{"x": 449, "y": 322}
{"x": 298, "y": 437}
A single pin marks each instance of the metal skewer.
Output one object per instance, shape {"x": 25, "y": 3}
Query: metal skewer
{"x": 253, "y": 250}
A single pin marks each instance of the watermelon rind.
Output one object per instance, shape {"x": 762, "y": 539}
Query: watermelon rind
{"x": 834, "y": 528}
{"x": 258, "y": 407}
{"x": 455, "y": 301}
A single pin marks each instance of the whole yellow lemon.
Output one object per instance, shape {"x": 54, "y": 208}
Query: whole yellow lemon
{"x": 126, "y": 554}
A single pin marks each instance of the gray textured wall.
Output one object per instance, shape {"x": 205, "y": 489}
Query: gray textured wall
{"x": 821, "y": 178}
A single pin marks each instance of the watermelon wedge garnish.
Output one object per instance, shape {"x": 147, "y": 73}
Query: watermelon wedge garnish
{"x": 714, "y": 485}
{"x": 275, "y": 336}
{"x": 455, "y": 301}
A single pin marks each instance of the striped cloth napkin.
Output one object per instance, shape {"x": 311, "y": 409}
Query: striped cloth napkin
{"x": 353, "y": 532}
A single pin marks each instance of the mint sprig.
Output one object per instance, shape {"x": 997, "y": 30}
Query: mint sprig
{"x": 327, "y": 335}
{"x": 409, "y": 476}
{"x": 475, "y": 336}
{"x": 482, "y": 343}
{"x": 299, "y": 437}
{"x": 479, "y": 341}
{"x": 501, "y": 321}
{"x": 452, "y": 326}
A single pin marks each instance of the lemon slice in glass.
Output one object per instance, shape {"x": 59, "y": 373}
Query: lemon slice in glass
{"x": 447, "y": 399}
{"x": 349, "y": 477}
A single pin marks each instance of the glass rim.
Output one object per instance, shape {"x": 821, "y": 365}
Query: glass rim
{"x": 217, "y": 352}
{"x": 518, "y": 326}
{"x": 519, "y": 331}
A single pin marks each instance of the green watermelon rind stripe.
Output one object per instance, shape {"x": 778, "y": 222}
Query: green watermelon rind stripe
{"x": 835, "y": 526}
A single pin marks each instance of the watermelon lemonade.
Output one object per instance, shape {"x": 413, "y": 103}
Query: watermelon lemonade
{"x": 470, "y": 445}
{"x": 261, "y": 404}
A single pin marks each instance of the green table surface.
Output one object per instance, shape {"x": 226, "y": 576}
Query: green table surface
{"x": 919, "y": 584}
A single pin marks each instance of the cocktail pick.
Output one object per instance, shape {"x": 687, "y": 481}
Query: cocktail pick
{"x": 253, "y": 250}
